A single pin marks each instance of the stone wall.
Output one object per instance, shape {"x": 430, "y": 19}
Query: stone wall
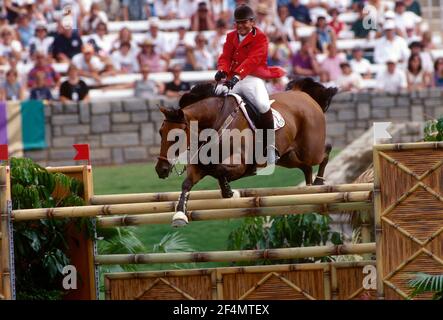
{"x": 350, "y": 115}
{"x": 127, "y": 131}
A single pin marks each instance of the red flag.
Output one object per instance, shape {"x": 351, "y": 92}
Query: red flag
{"x": 82, "y": 151}
{"x": 4, "y": 154}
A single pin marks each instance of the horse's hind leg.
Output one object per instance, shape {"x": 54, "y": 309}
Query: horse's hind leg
{"x": 321, "y": 169}
{"x": 194, "y": 175}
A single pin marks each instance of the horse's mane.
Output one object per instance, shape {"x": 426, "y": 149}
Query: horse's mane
{"x": 316, "y": 90}
{"x": 197, "y": 93}
{"x": 321, "y": 94}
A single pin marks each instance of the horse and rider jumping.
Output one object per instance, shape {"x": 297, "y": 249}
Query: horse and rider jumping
{"x": 242, "y": 66}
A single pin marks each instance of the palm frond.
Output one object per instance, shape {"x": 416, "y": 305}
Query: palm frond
{"x": 424, "y": 282}
{"x": 172, "y": 242}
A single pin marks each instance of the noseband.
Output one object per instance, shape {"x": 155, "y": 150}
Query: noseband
{"x": 174, "y": 161}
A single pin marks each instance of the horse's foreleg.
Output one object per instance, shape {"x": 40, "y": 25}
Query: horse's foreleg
{"x": 307, "y": 171}
{"x": 194, "y": 175}
{"x": 226, "y": 190}
{"x": 319, "y": 180}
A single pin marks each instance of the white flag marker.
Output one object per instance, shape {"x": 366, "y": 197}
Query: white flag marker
{"x": 380, "y": 131}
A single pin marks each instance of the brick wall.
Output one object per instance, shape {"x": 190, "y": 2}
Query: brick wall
{"x": 127, "y": 131}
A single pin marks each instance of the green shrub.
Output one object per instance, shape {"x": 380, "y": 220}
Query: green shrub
{"x": 40, "y": 246}
{"x": 434, "y": 130}
{"x": 301, "y": 230}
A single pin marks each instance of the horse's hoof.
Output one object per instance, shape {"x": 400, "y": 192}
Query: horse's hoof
{"x": 179, "y": 219}
{"x": 178, "y": 223}
{"x": 318, "y": 182}
{"x": 235, "y": 194}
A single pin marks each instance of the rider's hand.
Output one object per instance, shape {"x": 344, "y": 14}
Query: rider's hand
{"x": 231, "y": 83}
{"x": 220, "y": 75}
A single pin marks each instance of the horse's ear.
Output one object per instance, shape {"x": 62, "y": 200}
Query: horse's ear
{"x": 172, "y": 114}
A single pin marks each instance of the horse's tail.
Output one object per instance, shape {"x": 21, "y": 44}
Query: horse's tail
{"x": 329, "y": 94}
{"x": 322, "y": 95}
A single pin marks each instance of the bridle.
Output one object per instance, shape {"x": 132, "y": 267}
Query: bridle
{"x": 229, "y": 119}
{"x": 175, "y": 160}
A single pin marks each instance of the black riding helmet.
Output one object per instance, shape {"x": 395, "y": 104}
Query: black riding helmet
{"x": 243, "y": 13}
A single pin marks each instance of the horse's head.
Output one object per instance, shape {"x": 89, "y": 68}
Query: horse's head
{"x": 174, "y": 119}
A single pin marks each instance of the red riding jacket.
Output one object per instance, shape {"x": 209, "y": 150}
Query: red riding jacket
{"x": 247, "y": 57}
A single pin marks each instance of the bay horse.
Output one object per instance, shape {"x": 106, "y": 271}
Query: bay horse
{"x": 300, "y": 143}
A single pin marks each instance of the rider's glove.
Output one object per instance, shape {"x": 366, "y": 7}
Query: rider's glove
{"x": 231, "y": 83}
{"x": 220, "y": 75}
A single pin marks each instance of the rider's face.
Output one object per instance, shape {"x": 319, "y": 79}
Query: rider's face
{"x": 244, "y": 27}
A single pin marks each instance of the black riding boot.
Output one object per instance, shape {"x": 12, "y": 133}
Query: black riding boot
{"x": 267, "y": 122}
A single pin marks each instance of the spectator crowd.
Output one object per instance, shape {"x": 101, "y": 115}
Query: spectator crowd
{"x": 61, "y": 49}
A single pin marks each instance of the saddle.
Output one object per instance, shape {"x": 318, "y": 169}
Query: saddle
{"x": 252, "y": 115}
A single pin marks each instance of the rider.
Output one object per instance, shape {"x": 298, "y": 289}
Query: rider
{"x": 243, "y": 65}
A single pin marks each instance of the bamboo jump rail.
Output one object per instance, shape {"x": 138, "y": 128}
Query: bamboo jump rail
{"x": 237, "y": 255}
{"x": 216, "y": 214}
{"x": 215, "y": 194}
{"x": 66, "y": 169}
{"x": 168, "y": 206}
{"x": 409, "y": 146}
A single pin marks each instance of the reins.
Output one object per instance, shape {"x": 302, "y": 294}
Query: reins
{"x": 226, "y": 123}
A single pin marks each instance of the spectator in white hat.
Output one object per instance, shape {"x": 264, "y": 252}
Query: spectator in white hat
{"x": 41, "y": 42}
{"x": 90, "y": 65}
{"x": 390, "y": 45}
{"x": 392, "y": 79}
{"x": 158, "y": 38}
{"x": 349, "y": 80}
{"x": 359, "y": 63}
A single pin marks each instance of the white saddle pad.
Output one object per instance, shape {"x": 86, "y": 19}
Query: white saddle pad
{"x": 279, "y": 121}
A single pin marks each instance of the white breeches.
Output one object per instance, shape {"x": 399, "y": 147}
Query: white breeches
{"x": 254, "y": 90}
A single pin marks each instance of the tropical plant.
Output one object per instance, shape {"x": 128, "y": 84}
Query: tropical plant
{"x": 125, "y": 240}
{"x": 301, "y": 230}
{"x": 40, "y": 246}
{"x": 355, "y": 238}
{"x": 424, "y": 282}
{"x": 118, "y": 240}
{"x": 433, "y": 130}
